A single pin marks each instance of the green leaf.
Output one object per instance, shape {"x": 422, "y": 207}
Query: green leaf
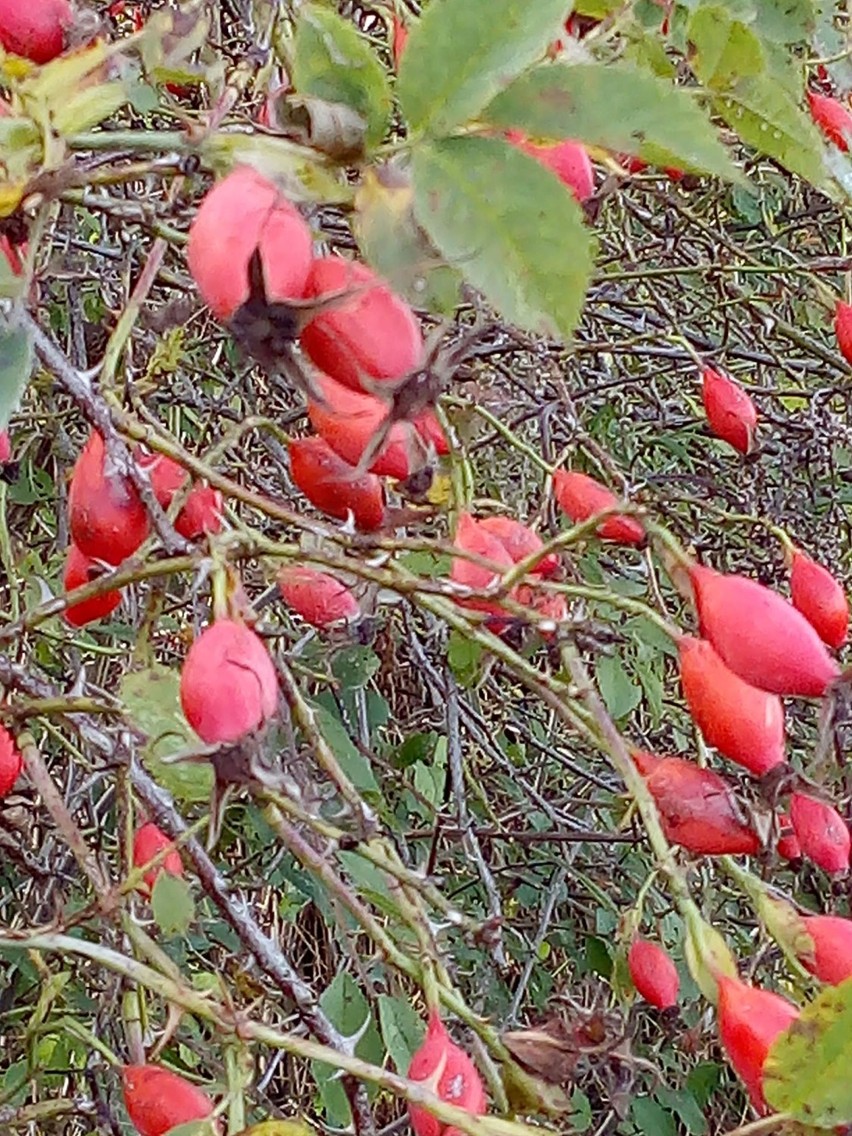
{"x": 16, "y": 363}
{"x": 510, "y": 225}
{"x": 724, "y": 50}
{"x": 462, "y": 52}
{"x": 352, "y": 761}
{"x": 807, "y": 1070}
{"x": 395, "y": 245}
{"x": 464, "y": 657}
{"x": 152, "y": 699}
{"x": 766, "y": 116}
{"x": 347, "y": 1008}
{"x": 617, "y": 107}
{"x": 401, "y": 1029}
{"x": 172, "y": 904}
{"x": 193, "y": 1128}
{"x": 618, "y": 691}
{"x": 650, "y": 1116}
{"x": 776, "y": 21}
{"x": 353, "y": 667}
{"x": 278, "y": 1128}
{"x": 331, "y": 61}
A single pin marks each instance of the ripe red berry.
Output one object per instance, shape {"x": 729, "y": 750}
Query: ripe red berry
{"x": 371, "y": 336}
{"x": 107, "y": 518}
{"x": 158, "y": 1100}
{"x": 731, "y": 414}
{"x": 243, "y": 213}
{"x": 788, "y": 845}
{"x": 472, "y": 537}
{"x": 580, "y": 497}
{"x": 79, "y": 570}
{"x": 5, "y": 447}
{"x": 329, "y": 484}
{"x": 36, "y": 30}
{"x": 148, "y": 841}
{"x": 11, "y": 762}
{"x": 820, "y": 599}
{"x": 318, "y": 597}
{"x": 831, "y": 960}
{"x": 568, "y": 160}
{"x": 697, "y": 807}
{"x": 520, "y": 542}
{"x": 821, "y": 832}
{"x": 653, "y": 973}
{"x": 750, "y": 1019}
{"x": 447, "y": 1070}
{"x": 832, "y": 117}
{"x": 228, "y": 685}
{"x": 843, "y": 329}
{"x": 781, "y": 652}
{"x": 348, "y": 420}
{"x": 202, "y": 510}
{"x": 744, "y": 724}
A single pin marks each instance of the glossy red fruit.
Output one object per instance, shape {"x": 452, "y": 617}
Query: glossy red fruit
{"x": 831, "y": 960}
{"x": 520, "y": 542}
{"x": 832, "y": 117}
{"x": 158, "y": 1100}
{"x": 843, "y": 329}
{"x": 547, "y": 605}
{"x": 731, "y": 414}
{"x": 653, "y": 973}
{"x": 107, "y": 518}
{"x": 820, "y": 599}
{"x": 781, "y": 652}
{"x": 821, "y": 832}
{"x": 5, "y": 447}
{"x": 202, "y": 510}
{"x": 580, "y": 497}
{"x": 328, "y": 483}
{"x": 79, "y": 570}
{"x": 473, "y": 538}
{"x": 744, "y": 724}
{"x": 568, "y": 160}
{"x": 788, "y": 845}
{"x": 349, "y": 419}
{"x": 697, "y": 807}
{"x": 228, "y": 685}
{"x": 749, "y": 1020}
{"x": 11, "y": 762}
{"x": 148, "y": 841}
{"x": 242, "y": 213}
{"x": 35, "y": 30}
{"x": 372, "y": 336}
{"x": 318, "y": 597}
{"x": 447, "y": 1070}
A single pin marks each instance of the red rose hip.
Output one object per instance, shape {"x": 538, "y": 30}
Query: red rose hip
{"x": 451, "y": 1075}
{"x": 653, "y": 973}
{"x": 79, "y": 570}
{"x": 820, "y": 599}
{"x": 331, "y": 486}
{"x": 36, "y": 29}
{"x": 148, "y": 841}
{"x": 107, "y": 518}
{"x": 731, "y": 414}
{"x": 750, "y": 1020}
{"x": 158, "y": 1100}
{"x": 11, "y": 762}
{"x": 318, "y": 597}
{"x": 580, "y": 497}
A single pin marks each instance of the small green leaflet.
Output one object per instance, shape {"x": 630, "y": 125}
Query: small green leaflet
{"x": 16, "y": 363}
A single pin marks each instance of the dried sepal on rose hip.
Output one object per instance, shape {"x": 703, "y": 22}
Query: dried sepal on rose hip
{"x": 449, "y": 1072}
{"x": 228, "y": 684}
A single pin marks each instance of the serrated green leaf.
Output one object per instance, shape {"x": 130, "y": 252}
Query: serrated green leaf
{"x": 462, "y": 52}
{"x": 765, "y": 116}
{"x": 16, "y": 364}
{"x": 614, "y": 106}
{"x": 352, "y": 761}
{"x": 724, "y": 50}
{"x": 620, "y": 694}
{"x": 331, "y": 61}
{"x": 152, "y": 699}
{"x": 806, "y": 1072}
{"x": 354, "y": 666}
{"x": 347, "y": 1008}
{"x": 510, "y": 225}
{"x": 172, "y": 904}
{"x": 776, "y": 21}
{"x": 401, "y": 1027}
